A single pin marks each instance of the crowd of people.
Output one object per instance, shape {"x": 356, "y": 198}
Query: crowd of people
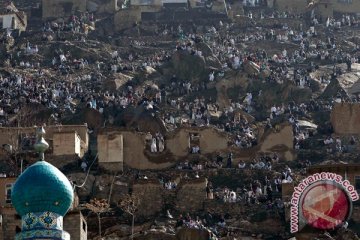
{"x": 50, "y": 72}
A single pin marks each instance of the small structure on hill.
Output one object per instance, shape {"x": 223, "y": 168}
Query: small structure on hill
{"x": 110, "y": 150}
{"x": 64, "y": 140}
{"x": 12, "y": 19}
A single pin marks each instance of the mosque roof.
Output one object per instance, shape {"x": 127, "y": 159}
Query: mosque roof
{"x": 41, "y": 188}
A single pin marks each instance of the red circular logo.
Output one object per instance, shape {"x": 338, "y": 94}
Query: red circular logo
{"x": 325, "y": 206}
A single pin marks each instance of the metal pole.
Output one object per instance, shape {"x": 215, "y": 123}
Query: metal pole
{"x": 226, "y": 10}
{"x": 132, "y": 227}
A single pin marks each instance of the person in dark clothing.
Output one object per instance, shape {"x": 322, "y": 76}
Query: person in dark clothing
{"x": 229, "y": 160}
{"x": 219, "y": 159}
{"x": 179, "y": 221}
{"x": 269, "y": 192}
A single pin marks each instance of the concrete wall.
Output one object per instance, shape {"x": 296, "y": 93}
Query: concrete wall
{"x": 345, "y": 118}
{"x": 66, "y": 144}
{"x": 75, "y": 225}
{"x": 61, "y": 8}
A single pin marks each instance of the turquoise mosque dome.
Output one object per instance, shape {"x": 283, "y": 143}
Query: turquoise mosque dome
{"x": 42, "y": 188}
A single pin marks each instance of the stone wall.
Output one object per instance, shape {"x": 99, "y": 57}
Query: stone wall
{"x": 191, "y": 195}
{"x": 151, "y": 195}
{"x": 345, "y": 118}
{"x": 218, "y": 207}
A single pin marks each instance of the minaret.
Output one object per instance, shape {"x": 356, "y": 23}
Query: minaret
{"x": 42, "y": 195}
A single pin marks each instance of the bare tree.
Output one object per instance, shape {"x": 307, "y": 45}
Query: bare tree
{"x": 13, "y": 148}
{"x": 98, "y": 206}
{"x": 130, "y": 204}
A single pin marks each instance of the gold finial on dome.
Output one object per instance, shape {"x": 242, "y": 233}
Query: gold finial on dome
{"x": 41, "y": 145}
